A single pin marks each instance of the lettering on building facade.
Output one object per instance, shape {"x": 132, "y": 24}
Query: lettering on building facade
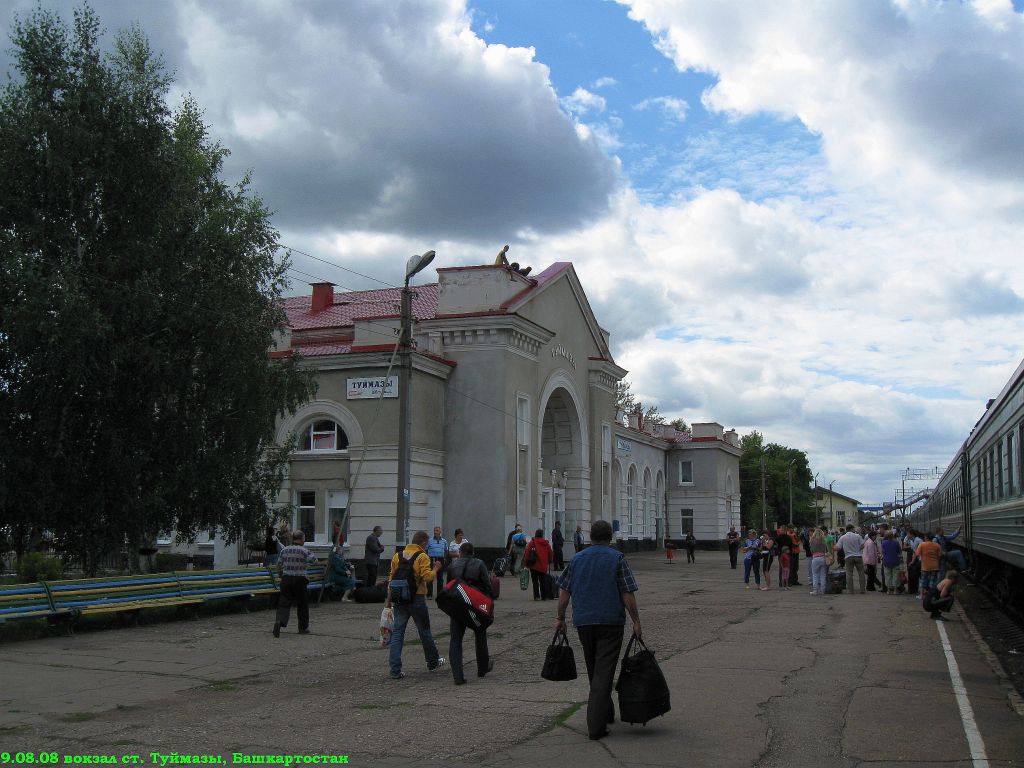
{"x": 559, "y": 351}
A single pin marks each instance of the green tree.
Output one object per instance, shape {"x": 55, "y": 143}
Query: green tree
{"x": 138, "y": 302}
{"x": 777, "y": 467}
{"x": 627, "y": 402}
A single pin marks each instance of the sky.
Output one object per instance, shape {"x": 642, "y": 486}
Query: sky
{"x": 800, "y": 218}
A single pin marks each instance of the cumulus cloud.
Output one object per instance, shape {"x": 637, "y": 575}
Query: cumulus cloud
{"x": 672, "y": 108}
{"x": 380, "y": 116}
{"x": 923, "y": 100}
{"x": 583, "y": 101}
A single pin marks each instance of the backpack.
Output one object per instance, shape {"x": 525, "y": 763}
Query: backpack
{"x": 402, "y": 587}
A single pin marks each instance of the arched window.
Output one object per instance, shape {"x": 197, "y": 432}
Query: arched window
{"x": 322, "y": 435}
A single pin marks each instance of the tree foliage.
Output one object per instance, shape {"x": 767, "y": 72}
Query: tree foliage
{"x": 138, "y": 302}
{"x": 777, "y": 460}
{"x": 627, "y": 402}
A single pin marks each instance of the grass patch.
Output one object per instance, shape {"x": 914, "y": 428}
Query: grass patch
{"x": 77, "y": 717}
{"x": 568, "y": 712}
{"x": 221, "y": 686}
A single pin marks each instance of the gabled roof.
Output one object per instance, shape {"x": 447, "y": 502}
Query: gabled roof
{"x": 385, "y": 304}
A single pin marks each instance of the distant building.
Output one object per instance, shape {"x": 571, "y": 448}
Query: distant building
{"x": 834, "y": 509}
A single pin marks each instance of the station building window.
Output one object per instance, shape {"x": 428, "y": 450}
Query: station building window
{"x": 686, "y": 473}
{"x": 322, "y": 435}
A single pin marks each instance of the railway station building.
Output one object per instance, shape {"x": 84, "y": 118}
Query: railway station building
{"x": 513, "y": 420}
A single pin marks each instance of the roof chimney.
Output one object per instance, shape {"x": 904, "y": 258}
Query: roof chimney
{"x": 323, "y": 296}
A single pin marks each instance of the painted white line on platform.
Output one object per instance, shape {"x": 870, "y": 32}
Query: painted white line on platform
{"x": 974, "y": 740}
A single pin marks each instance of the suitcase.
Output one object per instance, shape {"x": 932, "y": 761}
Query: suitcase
{"x": 547, "y": 588}
{"x": 500, "y": 566}
{"x": 369, "y": 594}
{"x": 495, "y": 586}
{"x": 835, "y": 583}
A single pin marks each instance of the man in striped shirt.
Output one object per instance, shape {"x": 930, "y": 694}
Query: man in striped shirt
{"x": 292, "y": 566}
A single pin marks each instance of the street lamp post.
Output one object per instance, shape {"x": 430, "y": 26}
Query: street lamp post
{"x": 414, "y": 265}
{"x": 790, "y": 472}
{"x": 817, "y": 509}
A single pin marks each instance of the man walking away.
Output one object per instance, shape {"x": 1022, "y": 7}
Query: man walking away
{"x": 852, "y": 546}
{"x": 732, "y": 539}
{"x": 420, "y": 573}
{"x": 600, "y": 584}
{"x": 557, "y": 543}
{"x": 372, "y": 557}
{"x": 295, "y": 558}
{"x": 474, "y": 572}
{"x": 928, "y": 554}
{"x": 872, "y": 557}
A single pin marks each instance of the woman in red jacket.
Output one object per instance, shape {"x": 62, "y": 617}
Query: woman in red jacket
{"x": 537, "y": 557}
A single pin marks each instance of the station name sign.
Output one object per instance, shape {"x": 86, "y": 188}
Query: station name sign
{"x": 368, "y": 389}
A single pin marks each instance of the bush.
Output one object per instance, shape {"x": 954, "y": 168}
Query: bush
{"x": 35, "y": 566}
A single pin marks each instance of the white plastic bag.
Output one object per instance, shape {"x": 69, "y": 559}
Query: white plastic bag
{"x": 387, "y": 623}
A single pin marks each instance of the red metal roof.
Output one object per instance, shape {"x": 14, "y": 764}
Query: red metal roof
{"x": 361, "y": 305}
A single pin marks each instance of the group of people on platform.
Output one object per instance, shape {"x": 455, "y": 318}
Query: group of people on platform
{"x": 597, "y": 581}
{"x": 885, "y": 559}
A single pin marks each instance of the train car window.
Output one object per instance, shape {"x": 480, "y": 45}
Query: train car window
{"x": 999, "y": 469}
{"x": 992, "y": 474}
{"x": 1009, "y": 464}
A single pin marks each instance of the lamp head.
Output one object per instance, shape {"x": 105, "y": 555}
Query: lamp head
{"x": 416, "y": 263}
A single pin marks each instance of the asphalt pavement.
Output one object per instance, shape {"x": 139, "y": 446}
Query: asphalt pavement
{"x": 777, "y": 678}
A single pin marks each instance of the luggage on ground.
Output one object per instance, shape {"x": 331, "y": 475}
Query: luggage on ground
{"x": 835, "y": 582}
{"x": 495, "y": 586}
{"x": 500, "y": 566}
{"x": 559, "y": 660}
{"x": 643, "y": 691}
{"x": 374, "y": 594}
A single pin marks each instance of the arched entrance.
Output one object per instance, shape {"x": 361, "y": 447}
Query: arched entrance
{"x": 564, "y": 481}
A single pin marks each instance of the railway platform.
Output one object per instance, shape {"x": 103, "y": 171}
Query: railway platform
{"x": 777, "y": 678}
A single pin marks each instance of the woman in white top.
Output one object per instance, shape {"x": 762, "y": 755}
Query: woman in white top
{"x": 457, "y": 541}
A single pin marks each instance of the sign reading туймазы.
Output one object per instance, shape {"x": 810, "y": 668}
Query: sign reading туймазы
{"x": 367, "y": 389}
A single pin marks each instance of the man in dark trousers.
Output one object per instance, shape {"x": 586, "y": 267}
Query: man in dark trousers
{"x": 557, "y": 542}
{"x": 371, "y": 559}
{"x": 577, "y": 539}
{"x": 600, "y": 584}
{"x": 474, "y": 572}
{"x": 732, "y": 539}
{"x": 292, "y": 567}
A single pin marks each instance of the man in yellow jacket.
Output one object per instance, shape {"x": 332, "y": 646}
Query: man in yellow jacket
{"x": 412, "y": 565}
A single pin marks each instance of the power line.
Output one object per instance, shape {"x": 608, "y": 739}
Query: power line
{"x": 337, "y": 266}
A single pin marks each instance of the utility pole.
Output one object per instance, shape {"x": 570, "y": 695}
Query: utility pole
{"x": 404, "y": 479}
{"x": 764, "y": 498}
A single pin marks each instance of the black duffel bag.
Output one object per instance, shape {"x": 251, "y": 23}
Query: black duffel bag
{"x": 559, "y": 661}
{"x": 643, "y": 692}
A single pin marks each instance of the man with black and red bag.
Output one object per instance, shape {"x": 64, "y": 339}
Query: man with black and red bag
{"x": 474, "y": 572}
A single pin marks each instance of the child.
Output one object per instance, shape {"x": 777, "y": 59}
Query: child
{"x": 784, "y": 568}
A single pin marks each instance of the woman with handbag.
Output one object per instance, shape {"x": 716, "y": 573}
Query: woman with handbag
{"x": 537, "y": 557}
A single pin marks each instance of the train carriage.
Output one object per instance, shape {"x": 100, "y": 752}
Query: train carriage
{"x": 982, "y": 492}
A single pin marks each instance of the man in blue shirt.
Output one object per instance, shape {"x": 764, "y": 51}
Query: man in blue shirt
{"x": 437, "y": 551}
{"x": 600, "y": 584}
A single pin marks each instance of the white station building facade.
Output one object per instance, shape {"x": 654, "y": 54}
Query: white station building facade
{"x": 513, "y": 420}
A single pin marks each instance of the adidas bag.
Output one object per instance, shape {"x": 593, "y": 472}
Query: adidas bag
{"x": 466, "y": 603}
